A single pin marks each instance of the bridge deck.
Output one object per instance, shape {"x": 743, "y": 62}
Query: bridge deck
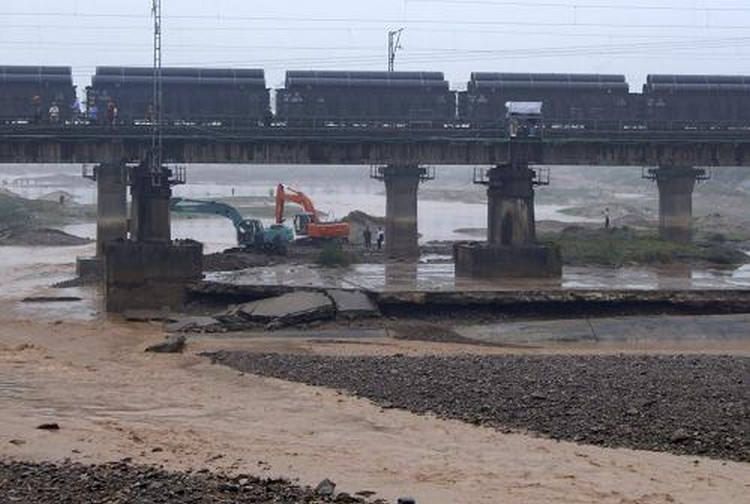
{"x": 448, "y": 146}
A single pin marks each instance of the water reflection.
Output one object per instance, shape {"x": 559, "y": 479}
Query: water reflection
{"x": 399, "y": 276}
{"x": 435, "y": 277}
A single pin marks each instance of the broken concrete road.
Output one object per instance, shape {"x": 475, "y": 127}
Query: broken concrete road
{"x": 352, "y": 305}
{"x": 290, "y": 309}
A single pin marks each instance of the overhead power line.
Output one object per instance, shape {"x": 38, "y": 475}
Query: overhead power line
{"x": 679, "y": 45}
{"x": 353, "y": 21}
{"x": 449, "y": 30}
{"x": 583, "y": 6}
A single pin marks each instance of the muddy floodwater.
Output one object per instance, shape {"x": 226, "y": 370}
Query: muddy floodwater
{"x": 336, "y": 195}
{"x": 66, "y": 362}
{"x": 449, "y": 205}
{"x": 439, "y": 276}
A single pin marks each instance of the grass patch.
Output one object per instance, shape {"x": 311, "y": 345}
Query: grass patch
{"x": 16, "y": 213}
{"x": 623, "y": 246}
{"x": 333, "y": 255}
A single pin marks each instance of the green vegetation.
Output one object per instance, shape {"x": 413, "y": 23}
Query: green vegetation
{"x": 18, "y": 215}
{"x": 333, "y": 255}
{"x": 15, "y": 212}
{"x": 622, "y": 246}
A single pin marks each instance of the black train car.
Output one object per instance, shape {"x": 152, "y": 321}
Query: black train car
{"x": 697, "y": 100}
{"x": 28, "y": 92}
{"x": 366, "y": 99}
{"x": 190, "y": 95}
{"x": 567, "y": 98}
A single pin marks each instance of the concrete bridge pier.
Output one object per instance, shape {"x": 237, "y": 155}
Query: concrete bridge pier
{"x": 511, "y": 250}
{"x": 150, "y": 271}
{"x": 401, "y": 187}
{"x": 150, "y": 216}
{"x": 676, "y": 185}
{"x": 112, "y": 214}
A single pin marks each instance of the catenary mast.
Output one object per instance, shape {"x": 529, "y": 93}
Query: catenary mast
{"x": 157, "y": 116}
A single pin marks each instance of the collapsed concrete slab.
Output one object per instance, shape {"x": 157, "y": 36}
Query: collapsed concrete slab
{"x": 353, "y": 304}
{"x": 290, "y": 309}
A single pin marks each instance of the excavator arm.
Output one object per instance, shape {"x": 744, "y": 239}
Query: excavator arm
{"x": 249, "y": 231}
{"x": 308, "y": 223}
{"x": 284, "y": 194}
{"x": 183, "y": 205}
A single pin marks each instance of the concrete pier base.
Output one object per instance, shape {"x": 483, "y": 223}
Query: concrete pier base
{"x": 401, "y": 187}
{"x": 111, "y": 215}
{"x": 485, "y": 261}
{"x": 111, "y": 204}
{"x": 149, "y": 271}
{"x": 511, "y": 250}
{"x": 676, "y": 185}
{"x": 150, "y": 214}
{"x": 90, "y": 267}
{"x": 151, "y": 275}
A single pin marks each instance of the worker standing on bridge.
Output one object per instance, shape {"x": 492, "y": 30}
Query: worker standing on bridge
{"x": 606, "y": 218}
{"x": 367, "y": 234}
{"x": 112, "y": 113}
{"x": 381, "y": 238}
{"x": 36, "y": 106}
{"x": 54, "y": 113}
{"x": 93, "y": 114}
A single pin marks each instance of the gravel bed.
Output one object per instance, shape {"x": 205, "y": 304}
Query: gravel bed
{"x": 121, "y": 483}
{"x": 690, "y": 405}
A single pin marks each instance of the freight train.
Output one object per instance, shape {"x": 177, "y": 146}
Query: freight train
{"x": 347, "y": 99}
{"x": 30, "y": 93}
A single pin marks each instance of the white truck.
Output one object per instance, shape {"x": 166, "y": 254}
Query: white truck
{"x": 524, "y": 119}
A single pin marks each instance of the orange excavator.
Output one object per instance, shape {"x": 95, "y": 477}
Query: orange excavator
{"x": 308, "y": 224}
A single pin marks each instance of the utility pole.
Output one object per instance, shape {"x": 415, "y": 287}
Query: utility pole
{"x": 394, "y": 45}
{"x": 156, "y": 132}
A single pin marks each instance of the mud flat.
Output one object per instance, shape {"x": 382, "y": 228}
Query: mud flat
{"x": 120, "y": 482}
{"x": 686, "y": 405}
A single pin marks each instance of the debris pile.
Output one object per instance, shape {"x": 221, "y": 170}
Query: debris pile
{"x": 26, "y": 483}
{"x": 294, "y": 309}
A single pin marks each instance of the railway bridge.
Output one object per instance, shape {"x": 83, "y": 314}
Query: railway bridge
{"x": 675, "y": 159}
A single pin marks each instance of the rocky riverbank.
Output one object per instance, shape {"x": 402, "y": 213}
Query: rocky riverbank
{"x": 25, "y": 483}
{"x": 687, "y": 405}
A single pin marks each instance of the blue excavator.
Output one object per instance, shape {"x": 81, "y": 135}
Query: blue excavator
{"x": 251, "y": 234}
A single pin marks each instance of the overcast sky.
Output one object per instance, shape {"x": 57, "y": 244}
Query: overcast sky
{"x": 453, "y": 36}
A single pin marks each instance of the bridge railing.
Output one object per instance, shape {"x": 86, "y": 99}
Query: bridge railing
{"x": 244, "y": 125}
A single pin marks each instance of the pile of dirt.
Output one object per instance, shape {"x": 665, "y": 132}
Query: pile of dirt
{"x": 26, "y": 483}
{"x": 359, "y": 221}
{"x": 688, "y": 405}
{"x": 41, "y": 238}
{"x": 20, "y": 217}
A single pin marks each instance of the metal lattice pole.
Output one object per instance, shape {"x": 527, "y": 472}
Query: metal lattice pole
{"x": 157, "y": 119}
{"x": 394, "y": 44}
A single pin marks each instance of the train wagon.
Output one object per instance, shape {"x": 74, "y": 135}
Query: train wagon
{"x": 697, "y": 101}
{"x": 207, "y": 96}
{"x": 569, "y": 99}
{"x": 365, "y": 99}
{"x": 36, "y": 94}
